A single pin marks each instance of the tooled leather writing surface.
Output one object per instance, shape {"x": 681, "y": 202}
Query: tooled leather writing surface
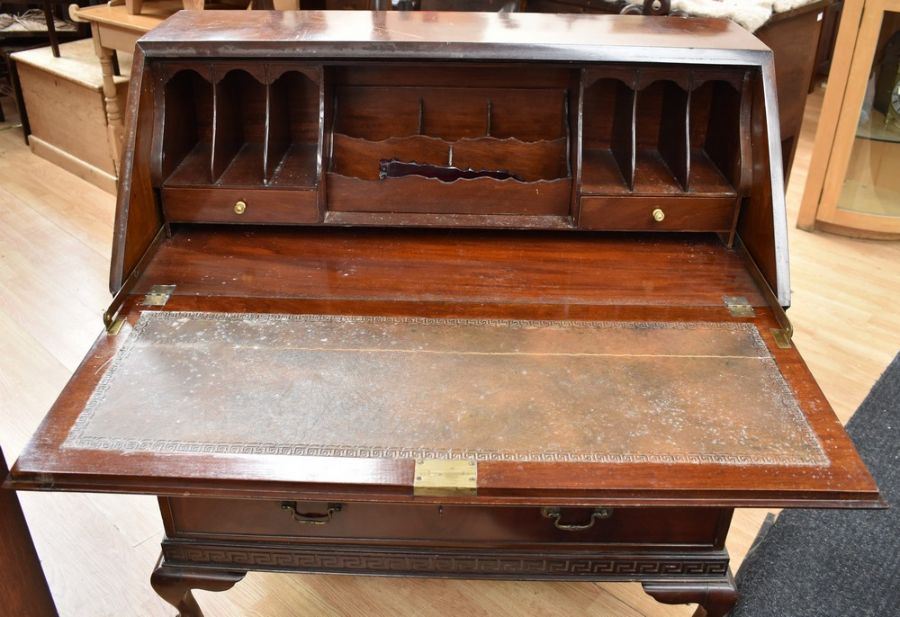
{"x": 410, "y": 387}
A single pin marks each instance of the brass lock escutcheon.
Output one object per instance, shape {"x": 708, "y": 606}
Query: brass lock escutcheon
{"x": 311, "y": 518}
{"x": 240, "y": 206}
{"x": 658, "y": 215}
{"x": 555, "y": 514}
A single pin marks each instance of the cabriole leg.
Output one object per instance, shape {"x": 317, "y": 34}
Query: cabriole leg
{"x": 716, "y": 598}
{"x": 174, "y": 585}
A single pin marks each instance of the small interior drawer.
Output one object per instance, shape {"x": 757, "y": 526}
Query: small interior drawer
{"x": 213, "y": 205}
{"x": 446, "y": 524}
{"x": 657, "y": 213}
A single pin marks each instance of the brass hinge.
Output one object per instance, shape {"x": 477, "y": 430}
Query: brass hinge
{"x": 158, "y": 295}
{"x": 115, "y": 325}
{"x": 442, "y": 477}
{"x": 782, "y": 337}
{"x": 738, "y": 306}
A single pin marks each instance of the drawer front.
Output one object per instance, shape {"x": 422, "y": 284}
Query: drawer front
{"x": 202, "y": 205}
{"x": 420, "y": 195}
{"x": 445, "y": 525}
{"x": 657, "y": 213}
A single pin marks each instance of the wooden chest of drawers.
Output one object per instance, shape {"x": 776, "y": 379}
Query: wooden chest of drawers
{"x": 456, "y": 295}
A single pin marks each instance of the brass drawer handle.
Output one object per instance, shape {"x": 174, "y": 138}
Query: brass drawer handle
{"x": 240, "y": 206}
{"x": 555, "y": 514}
{"x": 658, "y": 215}
{"x": 311, "y": 518}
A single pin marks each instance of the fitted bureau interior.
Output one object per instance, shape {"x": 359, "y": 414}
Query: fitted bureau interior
{"x": 251, "y": 291}
{"x": 451, "y": 143}
{"x": 660, "y": 132}
{"x": 239, "y": 126}
{"x": 610, "y": 147}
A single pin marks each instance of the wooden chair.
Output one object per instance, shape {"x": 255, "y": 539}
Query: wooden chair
{"x": 47, "y": 8}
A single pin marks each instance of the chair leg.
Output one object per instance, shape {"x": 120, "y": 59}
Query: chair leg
{"x": 51, "y": 27}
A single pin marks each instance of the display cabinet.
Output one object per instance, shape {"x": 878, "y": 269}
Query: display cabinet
{"x": 853, "y": 187}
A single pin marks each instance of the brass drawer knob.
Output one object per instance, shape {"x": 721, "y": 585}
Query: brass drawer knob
{"x": 658, "y": 215}
{"x": 240, "y": 206}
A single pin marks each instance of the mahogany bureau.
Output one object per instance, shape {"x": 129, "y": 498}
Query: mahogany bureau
{"x": 455, "y": 295}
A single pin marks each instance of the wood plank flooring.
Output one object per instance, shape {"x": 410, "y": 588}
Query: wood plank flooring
{"x": 98, "y": 550}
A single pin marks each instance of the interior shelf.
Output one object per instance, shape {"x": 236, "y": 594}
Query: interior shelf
{"x": 187, "y": 129}
{"x": 460, "y": 143}
{"x": 450, "y": 150}
{"x": 293, "y": 137}
{"x": 240, "y": 127}
{"x": 193, "y": 169}
{"x": 295, "y": 168}
{"x": 720, "y": 135}
{"x": 648, "y": 133}
{"x": 653, "y": 175}
{"x": 706, "y": 177}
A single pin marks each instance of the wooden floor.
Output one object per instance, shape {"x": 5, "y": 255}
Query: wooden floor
{"x": 98, "y": 550}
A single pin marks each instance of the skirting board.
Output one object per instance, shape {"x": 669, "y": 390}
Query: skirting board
{"x": 82, "y": 169}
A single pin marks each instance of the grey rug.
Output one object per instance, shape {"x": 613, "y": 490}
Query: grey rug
{"x": 837, "y": 563}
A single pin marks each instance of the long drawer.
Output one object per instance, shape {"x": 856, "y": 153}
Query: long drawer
{"x": 446, "y": 525}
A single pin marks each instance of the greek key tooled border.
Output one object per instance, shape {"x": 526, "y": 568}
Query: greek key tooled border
{"x": 460, "y": 564}
{"x": 78, "y": 439}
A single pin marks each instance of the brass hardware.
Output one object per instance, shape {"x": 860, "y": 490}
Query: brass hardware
{"x": 658, "y": 215}
{"x": 787, "y": 329}
{"x": 311, "y": 518}
{"x": 240, "y": 206}
{"x": 555, "y": 514}
{"x": 116, "y": 326}
{"x": 782, "y": 338}
{"x": 112, "y": 312}
{"x": 158, "y": 295}
{"x": 738, "y": 306}
{"x": 440, "y": 477}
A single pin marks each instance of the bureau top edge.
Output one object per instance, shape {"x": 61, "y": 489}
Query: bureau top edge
{"x": 469, "y": 36}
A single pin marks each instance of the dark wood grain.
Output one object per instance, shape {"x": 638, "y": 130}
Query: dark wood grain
{"x": 716, "y": 132}
{"x": 356, "y": 157}
{"x": 293, "y": 126}
{"x": 843, "y": 482}
{"x": 23, "y": 587}
{"x": 510, "y": 527}
{"x": 712, "y": 214}
{"x": 674, "y": 130}
{"x": 594, "y": 122}
{"x": 608, "y": 133}
{"x": 186, "y": 114}
{"x": 460, "y": 266}
{"x": 635, "y": 120}
{"x": 404, "y": 35}
{"x": 716, "y": 599}
{"x": 228, "y": 130}
{"x": 756, "y": 218}
{"x": 263, "y": 206}
{"x": 138, "y": 219}
{"x": 660, "y": 138}
{"x": 463, "y": 196}
{"x": 174, "y": 585}
{"x": 278, "y": 136}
